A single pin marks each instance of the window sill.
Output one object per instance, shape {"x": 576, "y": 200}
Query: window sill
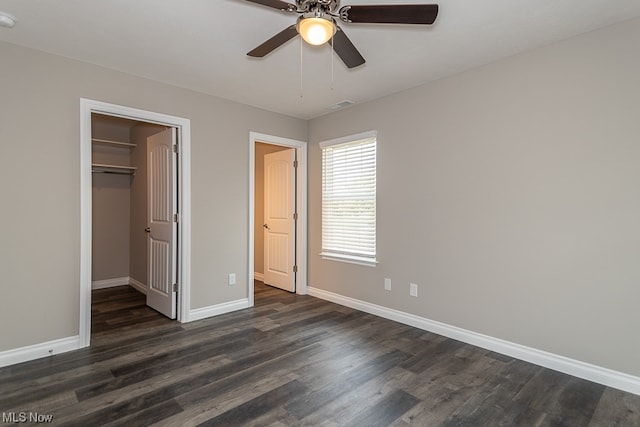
{"x": 349, "y": 259}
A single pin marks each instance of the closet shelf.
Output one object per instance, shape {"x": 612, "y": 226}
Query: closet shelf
{"x": 109, "y": 142}
{"x": 114, "y": 169}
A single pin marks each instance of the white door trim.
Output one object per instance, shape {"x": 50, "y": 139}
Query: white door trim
{"x": 183, "y": 126}
{"x": 301, "y": 200}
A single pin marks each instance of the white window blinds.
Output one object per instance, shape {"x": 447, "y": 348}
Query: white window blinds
{"x": 349, "y": 198}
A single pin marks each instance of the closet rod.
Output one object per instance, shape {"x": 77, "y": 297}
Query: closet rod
{"x": 112, "y": 172}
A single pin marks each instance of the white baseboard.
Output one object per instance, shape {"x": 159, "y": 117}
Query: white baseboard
{"x": 258, "y": 276}
{"x": 215, "y": 310}
{"x": 109, "y": 283}
{"x": 138, "y": 286}
{"x": 37, "y": 351}
{"x": 556, "y": 362}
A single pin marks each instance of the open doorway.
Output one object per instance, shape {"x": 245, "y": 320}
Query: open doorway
{"x": 134, "y": 207}
{"x": 134, "y": 192}
{"x": 277, "y": 214}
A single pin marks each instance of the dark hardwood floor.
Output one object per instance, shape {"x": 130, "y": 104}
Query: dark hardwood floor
{"x": 293, "y": 360}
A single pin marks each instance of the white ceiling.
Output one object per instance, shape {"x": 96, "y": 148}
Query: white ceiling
{"x": 202, "y": 44}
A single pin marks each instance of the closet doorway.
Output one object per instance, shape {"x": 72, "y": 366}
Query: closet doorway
{"x": 135, "y": 207}
{"x": 275, "y": 216}
{"x": 277, "y": 237}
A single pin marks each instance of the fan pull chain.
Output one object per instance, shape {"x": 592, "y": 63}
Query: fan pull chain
{"x": 332, "y": 58}
{"x": 301, "y": 86}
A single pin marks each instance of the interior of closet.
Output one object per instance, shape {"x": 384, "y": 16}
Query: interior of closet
{"x": 119, "y": 201}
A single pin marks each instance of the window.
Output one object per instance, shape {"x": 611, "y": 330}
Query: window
{"x": 349, "y": 198}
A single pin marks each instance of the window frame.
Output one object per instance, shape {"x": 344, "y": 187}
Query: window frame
{"x": 335, "y": 255}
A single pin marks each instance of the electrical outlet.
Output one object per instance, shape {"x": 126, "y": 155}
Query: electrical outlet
{"x": 232, "y": 279}
{"x": 387, "y": 284}
{"x": 413, "y": 289}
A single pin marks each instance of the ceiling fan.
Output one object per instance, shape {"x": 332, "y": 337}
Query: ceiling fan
{"x": 317, "y": 23}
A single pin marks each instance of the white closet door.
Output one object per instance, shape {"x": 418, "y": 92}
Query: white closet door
{"x": 279, "y": 224}
{"x": 161, "y": 188}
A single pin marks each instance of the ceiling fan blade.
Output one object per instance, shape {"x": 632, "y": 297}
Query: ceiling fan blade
{"x": 346, "y": 50}
{"x": 276, "y": 4}
{"x": 390, "y": 14}
{"x": 274, "y": 42}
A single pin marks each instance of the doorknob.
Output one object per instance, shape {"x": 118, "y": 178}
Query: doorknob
{"x": 266, "y": 226}
{"x": 148, "y": 230}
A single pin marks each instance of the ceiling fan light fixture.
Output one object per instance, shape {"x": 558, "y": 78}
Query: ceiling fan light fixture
{"x": 316, "y": 31}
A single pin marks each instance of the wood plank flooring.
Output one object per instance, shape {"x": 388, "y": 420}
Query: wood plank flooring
{"x": 293, "y": 360}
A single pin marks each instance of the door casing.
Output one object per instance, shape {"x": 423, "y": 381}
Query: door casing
{"x": 183, "y": 129}
{"x": 301, "y": 200}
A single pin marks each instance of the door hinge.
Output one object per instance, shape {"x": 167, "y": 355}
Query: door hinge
{"x": 295, "y": 216}
{"x": 295, "y": 268}
{"x": 176, "y": 148}
{"x": 176, "y": 217}
{"x": 295, "y": 163}
{"x": 175, "y": 287}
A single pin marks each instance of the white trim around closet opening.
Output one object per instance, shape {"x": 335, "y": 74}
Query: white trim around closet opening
{"x": 183, "y": 126}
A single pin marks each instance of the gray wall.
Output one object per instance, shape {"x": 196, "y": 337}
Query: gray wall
{"x": 110, "y": 226}
{"x": 510, "y": 195}
{"x": 40, "y": 146}
{"x": 111, "y": 196}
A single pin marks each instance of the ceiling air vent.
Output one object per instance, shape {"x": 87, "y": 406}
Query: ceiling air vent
{"x": 340, "y": 104}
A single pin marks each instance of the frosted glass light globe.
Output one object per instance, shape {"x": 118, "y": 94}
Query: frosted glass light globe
{"x": 316, "y": 31}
